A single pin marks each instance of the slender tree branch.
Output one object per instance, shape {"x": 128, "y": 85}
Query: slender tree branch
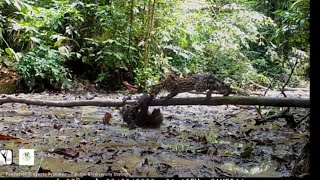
{"x": 258, "y": 109}
{"x": 289, "y": 78}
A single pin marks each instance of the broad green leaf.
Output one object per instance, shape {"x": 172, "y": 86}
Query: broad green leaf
{"x": 78, "y": 55}
{"x": 10, "y": 52}
{"x": 58, "y": 42}
{"x": 17, "y": 5}
{"x": 118, "y": 55}
{"x": 8, "y": 2}
{"x": 34, "y": 39}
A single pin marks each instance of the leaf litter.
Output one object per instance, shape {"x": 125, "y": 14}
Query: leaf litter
{"x": 194, "y": 141}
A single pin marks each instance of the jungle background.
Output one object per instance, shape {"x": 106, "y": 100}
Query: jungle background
{"x": 56, "y": 44}
{"x": 102, "y": 49}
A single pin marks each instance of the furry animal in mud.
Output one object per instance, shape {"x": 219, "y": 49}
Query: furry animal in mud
{"x": 138, "y": 115}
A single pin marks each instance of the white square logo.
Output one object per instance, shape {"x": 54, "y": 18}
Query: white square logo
{"x": 26, "y": 157}
{"x": 5, "y": 157}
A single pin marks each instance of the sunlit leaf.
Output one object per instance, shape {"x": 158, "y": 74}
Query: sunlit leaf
{"x": 34, "y": 39}
{"x": 118, "y": 55}
{"x": 10, "y": 52}
{"x": 78, "y": 55}
{"x": 58, "y": 42}
{"x": 8, "y": 2}
{"x": 17, "y": 5}
{"x": 64, "y": 50}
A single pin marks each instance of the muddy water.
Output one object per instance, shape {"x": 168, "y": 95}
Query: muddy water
{"x": 211, "y": 141}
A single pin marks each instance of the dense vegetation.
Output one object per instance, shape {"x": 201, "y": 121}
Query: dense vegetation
{"x": 55, "y": 43}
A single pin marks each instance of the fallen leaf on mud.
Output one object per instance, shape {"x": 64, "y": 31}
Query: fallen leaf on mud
{"x": 110, "y": 149}
{"x": 202, "y": 139}
{"x": 76, "y": 121}
{"x": 138, "y": 168}
{"x": 106, "y": 118}
{"x": 163, "y": 167}
{"x": 212, "y": 151}
{"x": 247, "y": 133}
{"x": 22, "y": 142}
{"x": 61, "y": 138}
{"x": 264, "y": 142}
{"x": 227, "y": 137}
{"x": 222, "y": 173}
{"x": 52, "y": 116}
{"x": 280, "y": 160}
{"x": 57, "y": 126}
{"x": 142, "y": 163}
{"x": 134, "y": 136}
{"x": 99, "y": 161}
{"x": 223, "y": 152}
{"x": 77, "y": 117}
{"x": 144, "y": 152}
{"x": 24, "y": 109}
{"x": 97, "y": 131}
{"x": 68, "y": 152}
{"x": 8, "y": 114}
{"x": 83, "y": 141}
{"x": 202, "y": 150}
{"x": 80, "y": 134}
{"x": 247, "y": 152}
{"x": 27, "y": 131}
{"x": 169, "y": 132}
{"x": 126, "y": 173}
{"x": 203, "y": 171}
{"x": 89, "y": 96}
{"x": 44, "y": 170}
{"x": 6, "y": 137}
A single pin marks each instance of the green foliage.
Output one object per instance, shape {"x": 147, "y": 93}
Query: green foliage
{"x": 291, "y": 34}
{"x": 42, "y": 67}
{"x": 138, "y": 41}
{"x": 109, "y": 56}
{"x": 294, "y": 25}
{"x": 221, "y": 37}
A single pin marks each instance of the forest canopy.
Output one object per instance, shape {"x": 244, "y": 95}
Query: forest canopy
{"x": 58, "y": 43}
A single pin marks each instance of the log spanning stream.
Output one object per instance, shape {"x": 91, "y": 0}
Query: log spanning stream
{"x": 213, "y": 101}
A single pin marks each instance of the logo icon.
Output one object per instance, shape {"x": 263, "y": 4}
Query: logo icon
{"x": 26, "y": 157}
{"x": 5, "y": 157}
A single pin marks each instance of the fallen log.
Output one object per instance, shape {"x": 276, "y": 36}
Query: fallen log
{"x": 237, "y": 100}
{"x": 213, "y": 101}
